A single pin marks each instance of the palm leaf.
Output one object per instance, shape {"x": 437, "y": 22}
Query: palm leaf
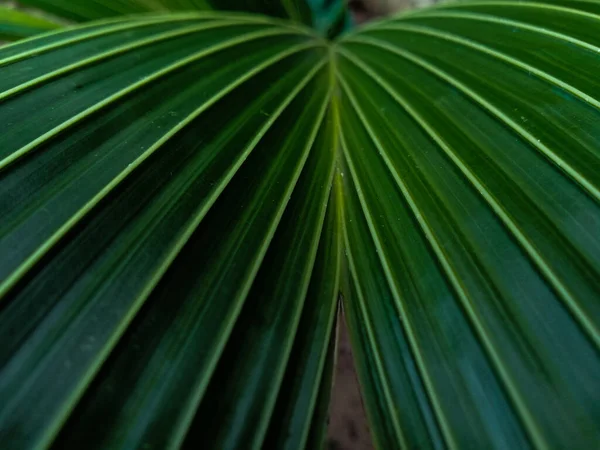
{"x": 134, "y": 119}
{"x": 98, "y": 9}
{"x": 16, "y": 25}
{"x": 484, "y": 222}
{"x": 183, "y": 197}
{"x": 328, "y": 17}
{"x": 81, "y": 11}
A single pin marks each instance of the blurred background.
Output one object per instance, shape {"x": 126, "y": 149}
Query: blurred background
{"x": 365, "y": 10}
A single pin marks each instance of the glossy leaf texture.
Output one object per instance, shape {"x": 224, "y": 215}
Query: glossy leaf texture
{"x": 169, "y": 240}
{"x": 471, "y": 140}
{"x": 183, "y": 197}
{"x": 15, "y": 25}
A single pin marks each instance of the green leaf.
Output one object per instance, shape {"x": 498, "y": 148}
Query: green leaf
{"x": 16, "y": 25}
{"x": 319, "y": 426}
{"x": 329, "y": 18}
{"x": 80, "y": 11}
{"x": 184, "y": 196}
{"x": 302, "y": 405}
{"x": 140, "y": 265}
{"x": 473, "y": 225}
{"x": 98, "y": 9}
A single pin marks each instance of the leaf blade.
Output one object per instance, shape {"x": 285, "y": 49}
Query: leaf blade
{"x": 117, "y": 245}
{"x": 425, "y": 75}
{"x": 17, "y": 25}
